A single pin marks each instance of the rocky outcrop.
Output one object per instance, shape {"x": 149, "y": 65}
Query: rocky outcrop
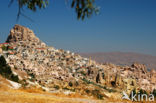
{"x": 21, "y": 33}
{"x": 51, "y": 67}
{"x": 140, "y": 67}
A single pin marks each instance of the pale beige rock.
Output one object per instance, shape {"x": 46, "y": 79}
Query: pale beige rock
{"x": 21, "y": 33}
{"x": 59, "y": 67}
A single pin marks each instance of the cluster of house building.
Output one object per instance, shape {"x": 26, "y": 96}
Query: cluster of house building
{"x": 50, "y": 65}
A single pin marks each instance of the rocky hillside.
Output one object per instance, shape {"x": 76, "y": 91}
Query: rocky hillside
{"x": 37, "y": 64}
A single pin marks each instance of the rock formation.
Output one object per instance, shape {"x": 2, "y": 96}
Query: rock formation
{"x": 21, "y": 33}
{"x": 50, "y": 67}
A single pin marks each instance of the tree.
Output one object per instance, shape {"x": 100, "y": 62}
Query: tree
{"x": 154, "y": 92}
{"x": 5, "y": 70}
{"x": 133, "y": 92}
{"x": 83, "y": 8}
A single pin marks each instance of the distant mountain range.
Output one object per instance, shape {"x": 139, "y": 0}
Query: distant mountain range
{"x": 122, "y": 58}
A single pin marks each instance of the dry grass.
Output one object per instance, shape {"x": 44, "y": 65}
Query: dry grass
{"x": 19, "y": 96}
{"x": 37, "y": 95}
{"x": 33, "y": 95}
{"x": 4, "y": 84}
{"x": 31, "y": 90}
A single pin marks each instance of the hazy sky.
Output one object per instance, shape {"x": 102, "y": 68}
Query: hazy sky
{"x": 122, "y": 25}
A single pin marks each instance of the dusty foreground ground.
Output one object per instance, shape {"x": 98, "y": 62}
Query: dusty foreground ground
{"x": 34, "y": 95}
{"x": 37, "y": 95}
{"x": 20, "y": 96}
{"x": 26, "y": 97}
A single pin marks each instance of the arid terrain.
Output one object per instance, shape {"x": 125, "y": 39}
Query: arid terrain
{"x": 122, "y": 58}
{"x": 34, "y": 95}
{"x": 37, "y": 95}
{"x": 33, "y": 72}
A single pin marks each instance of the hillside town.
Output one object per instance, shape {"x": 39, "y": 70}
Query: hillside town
{"x": 32, "y": 60}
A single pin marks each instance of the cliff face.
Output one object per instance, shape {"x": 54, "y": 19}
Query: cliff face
{"x": 21, "y": 33}
{"x": 53, "y": 69}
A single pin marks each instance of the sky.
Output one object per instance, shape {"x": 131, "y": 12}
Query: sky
{"x": 122, "y": 25}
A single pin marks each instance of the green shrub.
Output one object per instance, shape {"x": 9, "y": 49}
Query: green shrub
{"x": 2, "y": 61}
{"x": 5, "y": 70}
{"x": 32, "y": 75}
{"x": 65, "y": 88}
{"x": 97, "y": 94}
{"x": 4, "y": 48}
{"x": 134, "y": 92}
{"x": 14, "y": 78}
{"x": 56, "y": 87}
{"x": 111, "y": 90}
{"x": 87, "y": 91}
{"x": 154, "y": 92}
{"x": 103, "y": 75}
{"x": 76, "y": 83}
{"x": 83, "y": 73}
{"x": 95, "y": 84}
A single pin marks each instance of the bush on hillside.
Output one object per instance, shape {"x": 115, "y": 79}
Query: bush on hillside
{"x": 4, "y": 48}
{"x": 154, "y": 92}
{"x": 134, "y": 92}
{"x": 96, "y": 93}
{"x": 5, "y": 70}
